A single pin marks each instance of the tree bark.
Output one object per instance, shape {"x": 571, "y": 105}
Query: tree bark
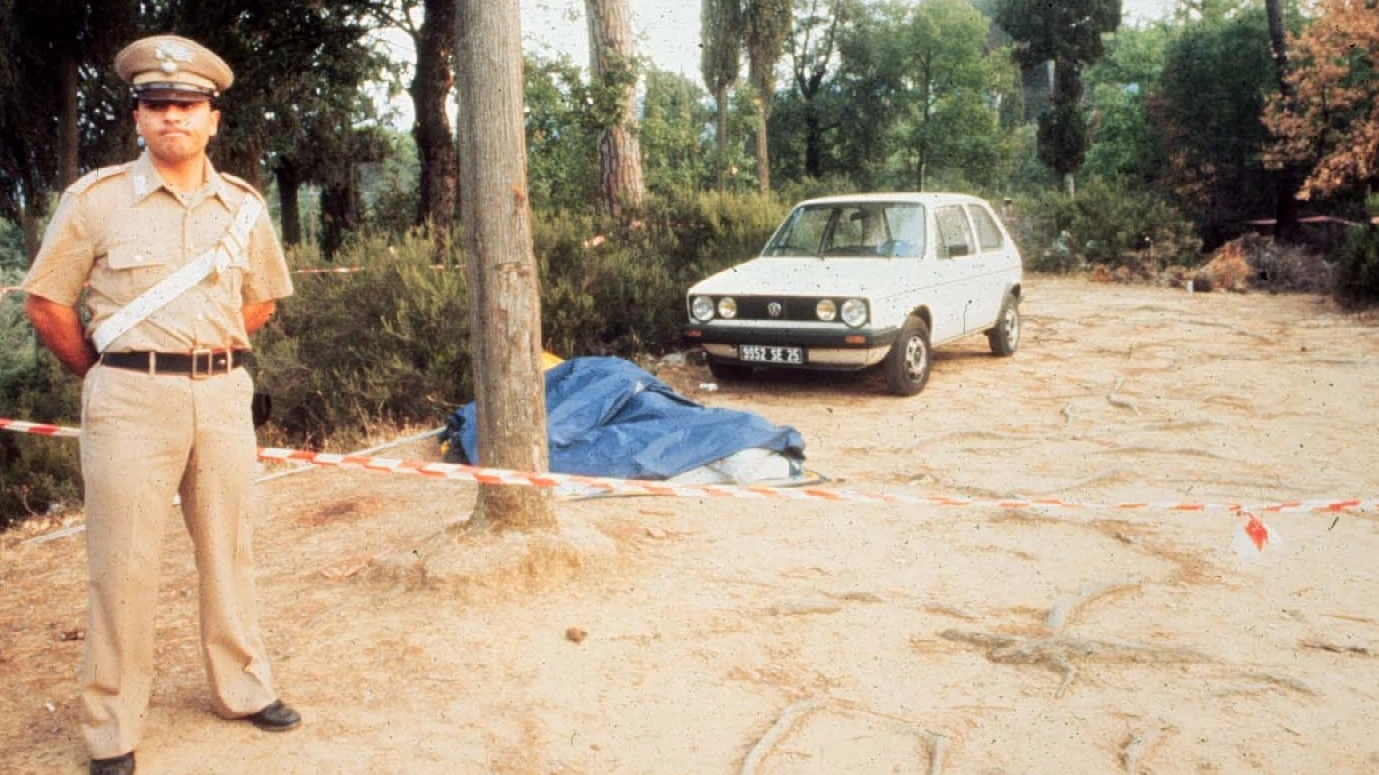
{"x": 68, "y": 132}
{"x": 1289, "y": 178}
{"x": 763, "y": 145}
{"x": 721, "y": 137}
{"x": 289, "y": 187}
{"x": 339, "y": 213}
{"x": 813, "y": 143}
{"x": 504, "y": 298}
{"x": 612, "y": 62}
{"x": 430, "y": 89}
{"x": 765, "y": 26}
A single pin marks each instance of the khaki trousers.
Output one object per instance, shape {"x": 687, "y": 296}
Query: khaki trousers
{"x": 145, "y": 439}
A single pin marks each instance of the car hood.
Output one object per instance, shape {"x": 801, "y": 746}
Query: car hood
{"x": 796, "y": 276}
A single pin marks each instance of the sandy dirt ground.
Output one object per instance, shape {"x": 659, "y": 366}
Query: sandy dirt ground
{"x": 729, "y": 635}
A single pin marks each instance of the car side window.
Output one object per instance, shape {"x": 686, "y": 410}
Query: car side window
{"x": 954, "y": 233}
{"x": 988, "y": 233}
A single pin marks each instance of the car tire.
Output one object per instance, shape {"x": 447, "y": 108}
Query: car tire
{"x": 1004, "y": 338}
{"x": 729, "y": 372}
{"x": 907, "y": 364}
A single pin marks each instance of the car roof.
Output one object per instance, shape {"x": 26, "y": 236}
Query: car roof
{"x": 925, "y": 197}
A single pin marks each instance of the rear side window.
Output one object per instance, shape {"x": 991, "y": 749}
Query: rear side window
{"x": 988, "y": 233}
{"x": 955, "y": 235}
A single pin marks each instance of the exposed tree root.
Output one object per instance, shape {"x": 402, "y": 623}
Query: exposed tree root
{"x": 1065, "y": 607}
{"x": 482, "y": 565}
{"x": 1058, "y": 654}
{"x": 1061, "y": 654}
{"x": 1136, "y": 748}
{"x": 1336, "y": 648}
{"x": 1121, "y": 403}
{"x": 763, "y": 747}
{"x": 938, "y": 748}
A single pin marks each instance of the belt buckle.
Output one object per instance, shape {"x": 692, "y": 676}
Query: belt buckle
{"x": 194, "y": 373}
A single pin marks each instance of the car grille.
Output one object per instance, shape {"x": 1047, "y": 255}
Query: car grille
{"x": 791, "y": 308}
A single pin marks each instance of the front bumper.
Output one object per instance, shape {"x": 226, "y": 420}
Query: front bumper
{"x": 825, "y": 346}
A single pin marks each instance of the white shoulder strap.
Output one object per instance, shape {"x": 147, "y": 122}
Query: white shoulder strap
{"x": 217, "y": 259}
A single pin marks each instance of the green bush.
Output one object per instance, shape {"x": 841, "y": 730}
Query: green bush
{"x": 1106, "y": 223}
{"x": 618, "y": 289}
{"x": 1357, "y": 267}
{"x": 37, "y": 474}
{"x": 386, "y": 344}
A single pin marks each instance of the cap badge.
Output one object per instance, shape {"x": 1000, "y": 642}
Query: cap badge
{"x": 170, "y": 54}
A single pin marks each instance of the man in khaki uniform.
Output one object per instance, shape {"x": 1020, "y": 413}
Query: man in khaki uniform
{"x": 179, "y": 265}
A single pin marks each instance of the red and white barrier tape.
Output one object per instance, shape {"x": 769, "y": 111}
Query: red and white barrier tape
{"x": 331, "y": 270}
{"x": 19, "y": 426}
{"x": 5, "y": 290}
{"x": 348, "y": 269}
{"x": 1254, "y": 531}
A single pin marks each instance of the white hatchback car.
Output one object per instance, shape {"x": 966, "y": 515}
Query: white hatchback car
{"x": 848, "y": 282}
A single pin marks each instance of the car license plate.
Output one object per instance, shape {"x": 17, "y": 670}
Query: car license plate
{"x": 756, "y": 353}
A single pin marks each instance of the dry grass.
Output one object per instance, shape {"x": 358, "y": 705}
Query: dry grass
{"x": 1228, "y": 269}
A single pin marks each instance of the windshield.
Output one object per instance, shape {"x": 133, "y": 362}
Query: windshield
{"x": 856, "y": 229}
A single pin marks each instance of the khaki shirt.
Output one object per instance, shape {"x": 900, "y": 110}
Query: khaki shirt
{"x": 120, "y": 230}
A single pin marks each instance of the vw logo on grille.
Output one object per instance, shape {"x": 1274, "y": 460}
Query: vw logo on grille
{"x": 774, "y": 309}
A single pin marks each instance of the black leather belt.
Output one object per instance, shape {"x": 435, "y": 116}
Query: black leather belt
{"x": 195, "y": 364}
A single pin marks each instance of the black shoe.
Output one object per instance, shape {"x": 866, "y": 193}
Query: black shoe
{"x": 117, "y": 765}
{"x": 277, "y": 717}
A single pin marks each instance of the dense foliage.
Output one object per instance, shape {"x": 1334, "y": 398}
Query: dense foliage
{"x": 1331, "y": 121}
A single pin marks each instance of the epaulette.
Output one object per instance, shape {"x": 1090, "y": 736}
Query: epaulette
{"x": 242, "y": 183}
{"x": 92, "y": 178}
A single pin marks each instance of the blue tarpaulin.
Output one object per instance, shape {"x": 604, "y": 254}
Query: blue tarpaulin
{"x": 609, "y": 417}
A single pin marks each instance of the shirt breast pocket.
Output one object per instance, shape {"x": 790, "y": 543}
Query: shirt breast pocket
{"x": 134, "y": 269}
{"x": 130, "y": 258}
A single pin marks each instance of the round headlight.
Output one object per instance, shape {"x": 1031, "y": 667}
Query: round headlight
{"x": 854, "y": 312}
{"x": 727, "y": 308}
{"x": 826, "y": 310}
{"x": 702, "y": 308}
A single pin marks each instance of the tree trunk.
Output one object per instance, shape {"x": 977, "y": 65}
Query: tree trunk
{"x": 29, "y": 221}
{"x": 430, "y": 89}
{"x": 289, "y": 203}
{"x": 68, "y": 124}
{"x": 339, "y": 213}
{"x": 612, "y": 63}
{"x": 813, "y": 144}
{"x": 721, "y": 137}
{"x": 763, "y": 145}
{"x": 1288, "y": 179}
{"x": 504, "y": 298}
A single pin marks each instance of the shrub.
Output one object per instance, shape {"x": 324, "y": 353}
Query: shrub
{"x": 1106, "y": 223}
{"x": 386, "y": 344}
{"x": 1357, "y": 267}
{"x": 1228, "y": 269}
{"x": 1283, "y": 268}
{"x": 618, "y": 289}
{"x": 37, "y": 474}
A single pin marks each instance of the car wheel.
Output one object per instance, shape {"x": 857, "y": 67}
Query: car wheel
{"x": 1005, "y": 337}
{"x": 729, "y": 372}
{"x": 907, "y": 364}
